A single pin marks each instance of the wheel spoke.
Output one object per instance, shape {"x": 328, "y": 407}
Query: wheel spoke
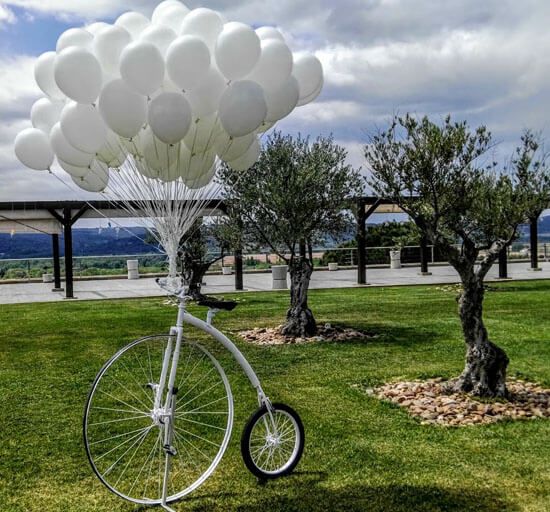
{"x": 201, "y": 423}
{"x": 197, "y": 437}
{"x": 131, "y": 446}
{"x": 119, "y": 400}
{"x": 118, "y": 420}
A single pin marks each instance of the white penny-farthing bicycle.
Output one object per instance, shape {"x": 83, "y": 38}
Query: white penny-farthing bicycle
{"x": 159, "y": 416}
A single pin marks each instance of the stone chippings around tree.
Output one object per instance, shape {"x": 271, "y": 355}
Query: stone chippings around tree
{"x": 432, "y": 404}
{"x": 327, "y": 332}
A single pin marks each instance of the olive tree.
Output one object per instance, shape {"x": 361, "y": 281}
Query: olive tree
{"x": 205, "y": 243}
{"x": 296, "y": 192}
{"x": 442, "y": 177}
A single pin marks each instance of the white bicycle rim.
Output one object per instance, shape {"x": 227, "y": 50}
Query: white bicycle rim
{"x": 215, "y": 460}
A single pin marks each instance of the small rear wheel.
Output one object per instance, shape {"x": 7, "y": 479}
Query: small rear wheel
{"x": 273, "y": 441}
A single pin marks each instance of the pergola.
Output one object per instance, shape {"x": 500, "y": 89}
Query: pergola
{"x": 56, "y": 217}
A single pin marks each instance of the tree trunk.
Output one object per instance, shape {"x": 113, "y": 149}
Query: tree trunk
{"x": 193, "y": 272}
{"x": 485, "y": 369}
{"x": 299, "y": 318}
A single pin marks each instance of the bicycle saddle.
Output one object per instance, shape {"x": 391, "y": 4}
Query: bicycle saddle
{"x": 226, "y": 305}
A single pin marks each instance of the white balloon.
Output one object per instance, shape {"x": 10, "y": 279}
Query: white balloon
{"x": 97, "y": 27}
{"x": 108, "y": 45}
{"x": 73, "y": 170}
{"x": 161, "y": 9}
{"x": 124, "y": 110}
{"x": 203, "y": 134}
{"x": 265, "y": 126}
{"x": 203, "y": 179}
{"x": 308, "y": 99}
{"x": 112, "y": 150}
{"x": 282, "y": 101}
{"x": 172, "y": 16}
{"x": 242, "y": 108}
{"x": 134, "y": 145}
{"x": 44, "y": 75}
{"x": 158, "y": 155}
{"x": 265, "y": 33}
{"x": 74, "y": 37}
{"x": 83, "y": 127}
{"x": 274, "y": 66}
{"x": 160, "y": 36}
{"x": 118, "y": 161}
{"x": 204, "y": 23}
{"x": 237, "y": 50}
{"x": 308, "y": 70}
{"x": 45, "y": 113}
{"x": 205, "y": 98}
{"x": 78, "y": 74}
{"x": 96, "y": 180}
{"x": 234, "y": 147}
{"x": 188, "y": 61}
{"x": 33, "y": 149}
{"x": 192, "y": 165}
{"x": 142, "y": 67}
{"x": 170, "y": 117}
{"x": 247, "y": 160}
{"x": 144, "y": 168}
{"x": 167, "y": 86}
{"x": 65, "y": 151}
{"x": 133, "y": 22}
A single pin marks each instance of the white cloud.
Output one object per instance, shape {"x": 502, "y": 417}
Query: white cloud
{"x": 6, "y": 16}
{"x": 486, "y": 61}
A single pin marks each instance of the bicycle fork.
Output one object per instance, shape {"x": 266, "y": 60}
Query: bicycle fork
{"x": 169, "y": 405}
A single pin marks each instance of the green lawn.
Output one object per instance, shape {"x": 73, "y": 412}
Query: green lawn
{"x": 361, "y": 454}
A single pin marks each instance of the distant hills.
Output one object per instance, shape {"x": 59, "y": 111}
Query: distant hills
{"x": 112, "y": 241}
{"x": 86, "y": 242}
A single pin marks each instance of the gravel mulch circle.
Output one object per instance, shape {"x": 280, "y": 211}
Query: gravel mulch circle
{"x": 327, "y": 332}
{"x": 432, "y": 404}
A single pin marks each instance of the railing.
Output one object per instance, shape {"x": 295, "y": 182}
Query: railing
{"x": 104, "y": 266}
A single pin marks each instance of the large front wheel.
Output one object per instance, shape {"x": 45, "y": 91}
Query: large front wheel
{"x": 125, "y": 421}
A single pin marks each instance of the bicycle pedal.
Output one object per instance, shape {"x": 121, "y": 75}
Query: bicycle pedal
{"x": 170, "y": 450}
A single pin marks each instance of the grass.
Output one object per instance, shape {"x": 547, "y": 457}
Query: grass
{"x": 361, "y": 454}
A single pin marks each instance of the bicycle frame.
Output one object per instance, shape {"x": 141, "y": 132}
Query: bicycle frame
{"x": 169, "y": 370}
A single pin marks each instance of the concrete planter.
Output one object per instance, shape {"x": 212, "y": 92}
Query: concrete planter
{"x": 333, "y": 267}
{"x": 133, "y": 269}
{"x": 227, "y": 271}
{"x": 279, "y": 273}
{"x": 395, "y": 259}
{"x": 47, "y": 278}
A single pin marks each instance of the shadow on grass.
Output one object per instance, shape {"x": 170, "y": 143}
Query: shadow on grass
{"x": 305, "y": 497}
{"x": 304, "y": 492}
{"x": 397, "y": 335}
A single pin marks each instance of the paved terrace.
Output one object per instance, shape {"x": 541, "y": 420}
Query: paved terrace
{"x": 146, "y": 287}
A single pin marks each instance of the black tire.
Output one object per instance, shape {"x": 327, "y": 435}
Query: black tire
{"x": 294, "y": 458}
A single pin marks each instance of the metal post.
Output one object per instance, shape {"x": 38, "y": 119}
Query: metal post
{"x": 533, "y": 241}
{"x": 68, "y": 238}
{"x": 424, "y": 257}
{"x": 239, "y": 285}
{"x": 361, "y": 238}
{"x": 503, "y": 264}
{"x": 56, "y": 264}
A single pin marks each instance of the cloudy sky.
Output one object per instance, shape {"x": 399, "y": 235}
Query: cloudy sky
{"x": 485, "y": 61}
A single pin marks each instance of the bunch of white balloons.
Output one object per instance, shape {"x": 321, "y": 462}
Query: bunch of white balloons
{"x": 175, "y": 93}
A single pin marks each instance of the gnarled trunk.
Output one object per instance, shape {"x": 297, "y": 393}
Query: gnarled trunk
{"x": 193, "y": 272}
{"x": 485, "y": 370}
{"x": 299, "y": 318}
